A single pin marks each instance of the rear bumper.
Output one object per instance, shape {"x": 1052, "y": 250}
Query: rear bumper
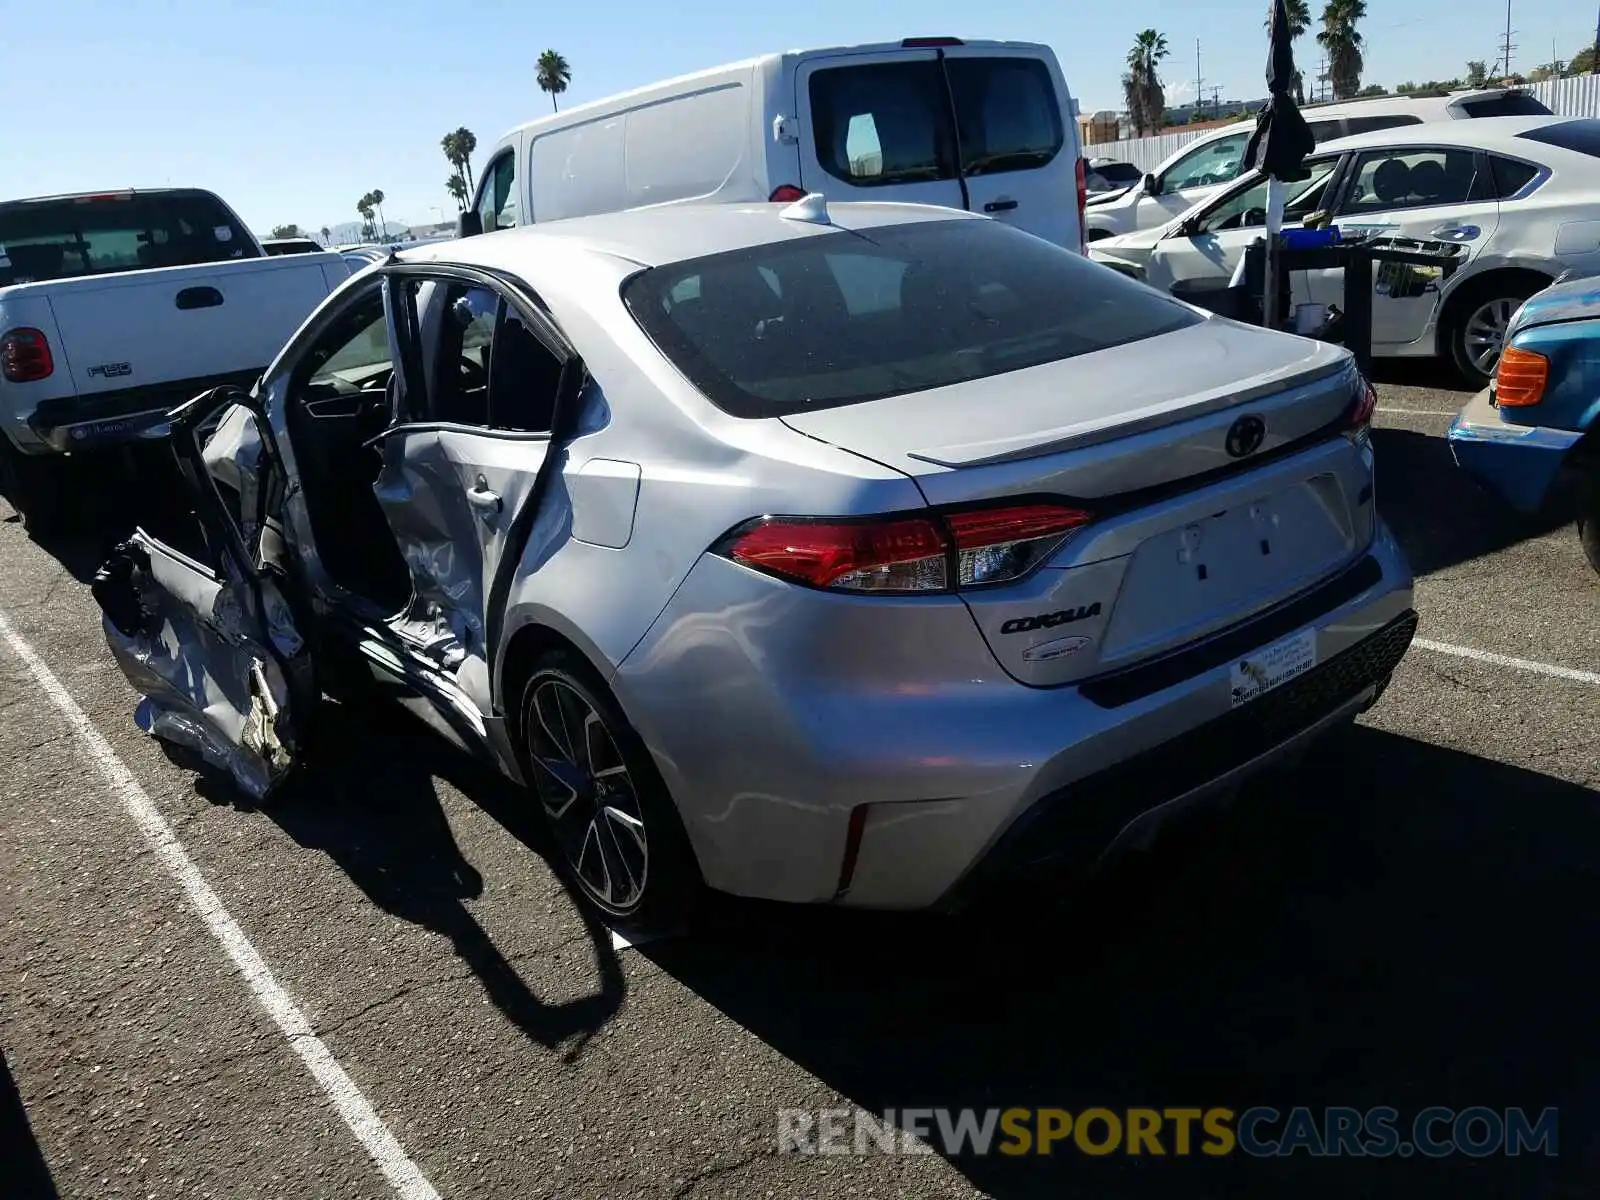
{"x": 76, "y": 424}
{"x": 1065, "y": 832}
{"x": 781, "y": 720}
{"x": 1518, "y": 463}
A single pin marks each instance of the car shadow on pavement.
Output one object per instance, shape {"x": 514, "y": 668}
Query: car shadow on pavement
{"x": 1441, "y": 517}
{"x": 1393, "y": 924}
{"x": 27, "y": 1174}
{"x": 370, "y": 803}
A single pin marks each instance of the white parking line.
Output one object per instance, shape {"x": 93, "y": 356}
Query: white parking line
{"x": 1417, "y": 412}
{"x": 1506, "y": 660}
{"x": 356, "y": 1110}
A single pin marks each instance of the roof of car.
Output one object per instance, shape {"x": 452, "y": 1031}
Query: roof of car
{"x": 671, "y": 233}
{"x": 1480, "y": 133}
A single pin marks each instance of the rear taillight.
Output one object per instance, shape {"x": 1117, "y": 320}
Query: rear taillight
{"x": 25, "y": 356}
{"x": 1520, "y": 378}
{"x": 786, "y": 193}
{"x": 939, "y": 552}
{"x": 1358, "y": 417}
{"x": 1083, "y": 205}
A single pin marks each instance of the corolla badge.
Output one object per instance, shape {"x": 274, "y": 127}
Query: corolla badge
{"x": 1245, "y": 436}
{"x": 1050, "y": 651}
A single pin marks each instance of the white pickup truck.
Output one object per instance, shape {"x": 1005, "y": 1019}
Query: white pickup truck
{"x": 116, "y": 307}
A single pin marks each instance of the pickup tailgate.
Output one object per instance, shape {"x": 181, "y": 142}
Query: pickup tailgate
{"x": 142, "y": 328}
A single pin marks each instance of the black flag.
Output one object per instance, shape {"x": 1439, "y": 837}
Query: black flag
{"x": 1282, "y": 139}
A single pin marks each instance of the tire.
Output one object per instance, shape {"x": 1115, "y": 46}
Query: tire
{"x": 27, "y": 482}
{"x": 619, "y": 840}
{"x": 1589, "y": 523}
{"x": 1478, "y": 316}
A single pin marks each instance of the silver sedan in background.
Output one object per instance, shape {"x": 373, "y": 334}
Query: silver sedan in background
{"x": 864, "y": 555}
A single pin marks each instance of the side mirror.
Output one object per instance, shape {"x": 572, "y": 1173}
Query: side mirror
{"x": 469, "y": 224}
{"x": 1151, "y": 187}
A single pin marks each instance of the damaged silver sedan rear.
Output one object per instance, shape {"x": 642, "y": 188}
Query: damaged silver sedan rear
{"x": 865, "y": 557}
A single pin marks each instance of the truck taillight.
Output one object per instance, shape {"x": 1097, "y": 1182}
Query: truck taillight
{"x": 25, "y": 356}
{"x": 1083, "y": 205}
{"x": 786, "y": 193}
{"x": 939, "y": 552}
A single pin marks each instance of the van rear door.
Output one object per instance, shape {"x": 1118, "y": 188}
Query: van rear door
{"x": 875, "y": 125}
{"x": 985, "y": 127}
{"x": 1019, "y": 141}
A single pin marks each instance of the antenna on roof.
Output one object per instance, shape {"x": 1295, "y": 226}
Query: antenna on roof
{"x": 812, "y": 207}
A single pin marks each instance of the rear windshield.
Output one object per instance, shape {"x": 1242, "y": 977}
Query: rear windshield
{"x": 1512, "y": 104}
{"x": 57, "y": 239}
{"x": 840, "y": 318}
{"x": 1582, "y": 136}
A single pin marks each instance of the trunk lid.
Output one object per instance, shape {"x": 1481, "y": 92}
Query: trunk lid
{"x": 1188, "y": 536}
{"x": 140, "y": 328}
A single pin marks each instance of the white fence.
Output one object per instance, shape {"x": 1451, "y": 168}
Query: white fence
{"x": 1575, "y": 97}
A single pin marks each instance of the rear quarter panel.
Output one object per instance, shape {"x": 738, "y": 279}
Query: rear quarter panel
{"x": 700, "y": 473}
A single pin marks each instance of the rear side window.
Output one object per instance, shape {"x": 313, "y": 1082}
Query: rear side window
{"x": 128, "y": 231}
{"x": 1006, "y": 113}
{"x": 1511, "y": 176}
{"x": 1394, "y": 179}
{"x": 882, "y": 123}
{"x": 1357, "y": 125}
{"x": 1581, "y": 136}
{"x": 1325, "y": 131}
{"x": 1512, "y": 104}
{"x": 842, "y": 318}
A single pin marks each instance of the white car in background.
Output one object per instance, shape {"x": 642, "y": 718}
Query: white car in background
{"x": 1201, "y": 168}
{"x": 1520, "y": 195}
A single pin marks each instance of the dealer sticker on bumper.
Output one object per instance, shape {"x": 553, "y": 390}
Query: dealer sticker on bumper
{"x": 1272, "y": 666}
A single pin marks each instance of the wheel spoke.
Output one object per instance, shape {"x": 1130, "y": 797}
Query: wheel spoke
{"x": 582, "y": 779}
{"x": 618, "y": 869}
{"x": 546, "y": 699}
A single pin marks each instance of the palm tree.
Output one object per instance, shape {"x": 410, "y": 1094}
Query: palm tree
{"x": 327, "y": 235}
{"x": 457, "y": 187}
{"x": 458, "y": 146}
{"x": 1299, "y": 14}
{"x": 1342, "y": 41}
{"x": 1141, "y": 86}
{"x": 554, "y": 75}
{"x": 377, "y": 203}
{"x": 364, "y": 207}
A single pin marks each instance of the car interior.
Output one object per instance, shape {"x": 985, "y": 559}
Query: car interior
{"x": 484, "y": 369}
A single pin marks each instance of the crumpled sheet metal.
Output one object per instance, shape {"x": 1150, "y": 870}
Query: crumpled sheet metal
{"x": 205, "y": 690}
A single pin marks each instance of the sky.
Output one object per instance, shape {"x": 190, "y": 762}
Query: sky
{"x": 291, "y": 111}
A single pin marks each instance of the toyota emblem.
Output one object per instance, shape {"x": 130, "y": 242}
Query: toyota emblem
{"x": 1245, "y": 436}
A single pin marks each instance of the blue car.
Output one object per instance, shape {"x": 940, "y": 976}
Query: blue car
{"x": 1533, "y": 436}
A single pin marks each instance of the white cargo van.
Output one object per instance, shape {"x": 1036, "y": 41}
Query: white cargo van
{"x": 980, "y": 125}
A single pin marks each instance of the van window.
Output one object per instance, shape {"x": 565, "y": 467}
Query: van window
{"x": 1325, "y": 131}
{"x": 882, "y": 123}
{"x": 914, "y": 306}
{"x": 498, "y": 203}
{"x": 1006, "y": 112}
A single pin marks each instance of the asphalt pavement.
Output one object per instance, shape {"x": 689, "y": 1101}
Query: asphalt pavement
{"x": 388, "y": 992}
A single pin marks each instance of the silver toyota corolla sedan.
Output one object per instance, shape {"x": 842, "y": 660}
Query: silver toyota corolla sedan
{"x": 864, "y": 555}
